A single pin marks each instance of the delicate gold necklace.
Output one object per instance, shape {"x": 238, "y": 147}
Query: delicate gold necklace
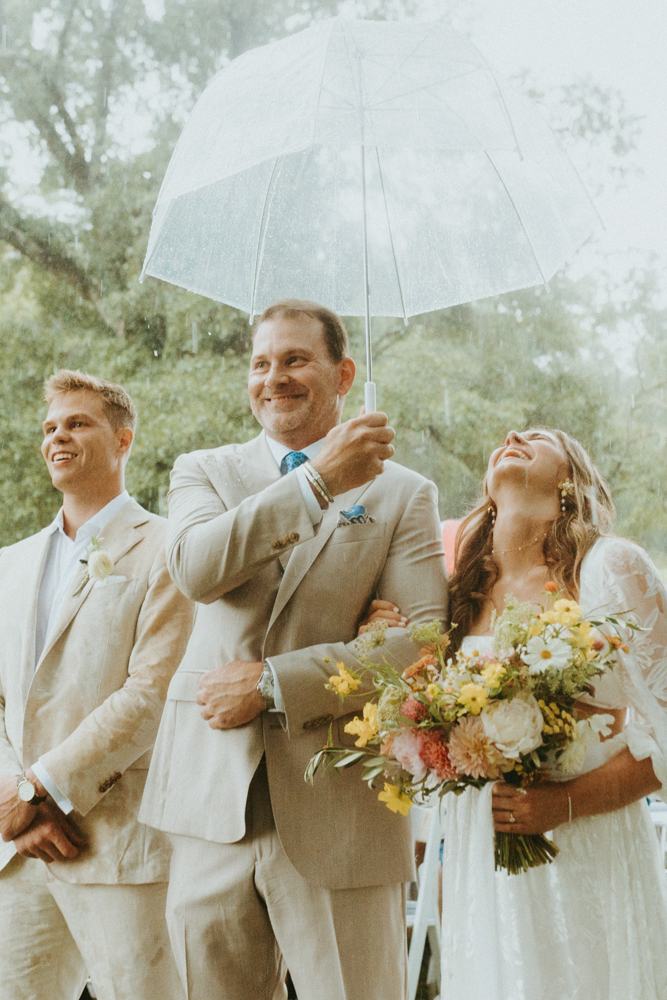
{"x": 519, "y": 548}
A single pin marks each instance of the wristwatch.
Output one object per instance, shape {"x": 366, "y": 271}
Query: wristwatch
{"x": 266, "y": 687}
{"x": 27, "y": 792}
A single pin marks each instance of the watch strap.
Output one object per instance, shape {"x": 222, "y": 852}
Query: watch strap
{"x": 266, "y": 687}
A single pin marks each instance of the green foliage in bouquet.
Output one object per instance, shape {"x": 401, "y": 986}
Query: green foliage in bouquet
{"x": 509, "y": 713}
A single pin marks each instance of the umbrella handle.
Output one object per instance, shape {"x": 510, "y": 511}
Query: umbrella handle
{"x": 369, "y": 397}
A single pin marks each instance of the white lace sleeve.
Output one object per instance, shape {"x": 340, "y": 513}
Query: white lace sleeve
{"x": 618, "y": 576}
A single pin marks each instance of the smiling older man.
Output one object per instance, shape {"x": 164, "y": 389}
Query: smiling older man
{"x": 284, "y": 541}
{"x": 92, "y": 630}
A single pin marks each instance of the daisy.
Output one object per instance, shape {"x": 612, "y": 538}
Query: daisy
{"x": 543, "y": 653}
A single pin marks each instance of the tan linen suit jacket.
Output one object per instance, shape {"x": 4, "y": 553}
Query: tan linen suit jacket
{"x": 91, "y": 708}
{"x": 269, "y": 584}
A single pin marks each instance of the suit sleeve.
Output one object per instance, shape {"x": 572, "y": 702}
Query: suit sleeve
{"x": 10, "y": 765}
{"x": 89, "y": 761}
{"x": 212, "y": 550}
{"x": 414, "y": 577}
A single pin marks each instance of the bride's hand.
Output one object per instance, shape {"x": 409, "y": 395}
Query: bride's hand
{"x": 382, "y": 611}
{"x": 535, "y": 810}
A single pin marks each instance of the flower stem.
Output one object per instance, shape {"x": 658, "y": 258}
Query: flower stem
{"x": 517, "y": 852}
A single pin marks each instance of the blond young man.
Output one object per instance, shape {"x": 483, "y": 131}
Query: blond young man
{"x": 268, "y": 871}
{"x": 92, "y": 630}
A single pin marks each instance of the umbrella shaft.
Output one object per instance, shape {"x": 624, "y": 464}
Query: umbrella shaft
{"x": 367, "y": 310}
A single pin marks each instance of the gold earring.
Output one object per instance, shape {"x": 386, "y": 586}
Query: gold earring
{"x": 566, "y": 490}
{"x": 491, "y": 511}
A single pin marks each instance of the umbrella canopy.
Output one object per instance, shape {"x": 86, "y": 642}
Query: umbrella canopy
{"x": 376, "y": 167}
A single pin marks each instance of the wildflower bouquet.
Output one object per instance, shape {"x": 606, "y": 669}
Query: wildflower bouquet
{"x": 508, "y": 713}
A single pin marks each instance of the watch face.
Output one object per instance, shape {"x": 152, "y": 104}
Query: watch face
{"x": 26, "y": 790}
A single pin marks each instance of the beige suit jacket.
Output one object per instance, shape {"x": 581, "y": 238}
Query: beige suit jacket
{"x": 91, "y": 708}
{"x": 268, "y": 584}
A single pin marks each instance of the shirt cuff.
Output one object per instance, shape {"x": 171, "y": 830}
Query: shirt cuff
{"x": 60, "y": 800}
{"x": 315, "y": 512}
{"x": 278, "y": 702}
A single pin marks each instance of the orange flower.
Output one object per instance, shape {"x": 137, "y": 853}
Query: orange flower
{"x": 551, "y": 587}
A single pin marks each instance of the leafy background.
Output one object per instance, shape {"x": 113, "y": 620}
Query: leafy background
{"x": 95, "y": 93}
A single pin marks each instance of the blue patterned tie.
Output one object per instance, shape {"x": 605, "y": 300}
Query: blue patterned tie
{"x": 292, "y": 460}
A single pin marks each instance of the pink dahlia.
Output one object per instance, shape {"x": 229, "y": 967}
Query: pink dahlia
{"x": 406, "y": 748}
{"x": 471, "y": 752}
{"x": 435, "y": 755}
{"x": 414, "y": 710}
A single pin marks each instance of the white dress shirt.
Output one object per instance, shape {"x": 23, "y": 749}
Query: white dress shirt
{"x": 279, "y": 451}
{"x": 62, "y": 561}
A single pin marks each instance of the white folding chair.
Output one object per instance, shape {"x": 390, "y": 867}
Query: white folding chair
{"x": 423, "y": 913}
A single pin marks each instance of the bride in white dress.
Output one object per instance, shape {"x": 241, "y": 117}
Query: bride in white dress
{"x": 593, "y": 924}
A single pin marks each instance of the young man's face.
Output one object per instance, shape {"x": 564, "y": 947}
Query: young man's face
{"x": 81, "y": 449}
{"x": 295, "y": 388}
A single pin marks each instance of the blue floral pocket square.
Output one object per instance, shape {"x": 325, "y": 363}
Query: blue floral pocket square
{"x": 354, "y": 515}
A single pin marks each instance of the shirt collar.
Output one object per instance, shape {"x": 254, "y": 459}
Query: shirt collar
{"x": 280, "y": 450}
{"x": 96, "y": 523}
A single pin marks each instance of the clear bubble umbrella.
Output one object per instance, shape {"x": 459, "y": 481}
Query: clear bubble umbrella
{"x": 376, "y": 167}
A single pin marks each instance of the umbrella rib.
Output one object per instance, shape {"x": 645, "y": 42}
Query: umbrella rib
{"x": 391, "y": 237}
{"x": 270, "y": 187}
{"x": 427, "y": 86}
{"x": 503, "y": 102}
{"x": 398, "y": 68}
{"x": 518, "y": 215}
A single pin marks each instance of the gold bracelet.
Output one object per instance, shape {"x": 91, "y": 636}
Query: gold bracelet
{"x": 323, "y": 486}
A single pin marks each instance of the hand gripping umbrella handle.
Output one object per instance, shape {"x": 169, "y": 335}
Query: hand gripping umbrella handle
{"x": 369, "y": 397}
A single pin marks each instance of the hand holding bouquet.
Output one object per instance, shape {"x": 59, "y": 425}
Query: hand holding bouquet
{"x": 507, "y": 713}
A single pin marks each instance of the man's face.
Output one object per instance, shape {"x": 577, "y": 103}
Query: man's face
{"x": 296, "y": 391}
{"x": 81, "y": 449}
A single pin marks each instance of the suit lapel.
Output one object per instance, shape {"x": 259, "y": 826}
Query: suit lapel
{"x": 30, "y": 581}
{"x": 303, "y": 556}
{"x": 120, "y": 535}
{"x": 247, "y": 469}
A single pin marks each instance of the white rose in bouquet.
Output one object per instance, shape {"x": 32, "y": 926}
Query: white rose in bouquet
{"x": 514, "y": 727}
{"x": 100, "y": 564}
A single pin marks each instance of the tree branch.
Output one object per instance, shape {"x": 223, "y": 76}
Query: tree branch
{"x": 33, "y": 103}
{"x": 34, "y": 239}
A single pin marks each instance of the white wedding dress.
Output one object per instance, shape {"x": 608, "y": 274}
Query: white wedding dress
{"x": 593, "y": 924}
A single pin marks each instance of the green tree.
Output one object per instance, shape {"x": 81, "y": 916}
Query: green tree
{"x": 72, "y": 74}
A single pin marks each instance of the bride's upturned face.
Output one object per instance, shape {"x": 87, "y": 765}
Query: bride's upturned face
{"x": 534, "y": 459}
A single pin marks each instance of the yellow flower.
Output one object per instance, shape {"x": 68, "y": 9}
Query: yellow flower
{"x": 473, "y": 697}
{"x": 346, "y": 682}
{"x": 568, "y": 612}
{"x": 433, "y": 691}
{"x": 548, "y": 617}
{"x": 365, "y": 728}
{"x": 395, "y": 799}
{"x": 492, "y": 674}
{"x": 536, "y": 628}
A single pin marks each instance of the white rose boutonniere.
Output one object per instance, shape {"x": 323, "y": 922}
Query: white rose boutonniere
{"x": 100, "y": 564}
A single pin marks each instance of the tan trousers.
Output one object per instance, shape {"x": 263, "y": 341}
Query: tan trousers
{"x": 54, "y": 934}
{"x": 240, "y": 914}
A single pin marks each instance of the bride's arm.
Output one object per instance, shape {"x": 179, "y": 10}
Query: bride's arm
{"x": 629, "y": 582}
{"x": 617, "y": 783}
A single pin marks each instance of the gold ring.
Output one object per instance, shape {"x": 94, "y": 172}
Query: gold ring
{"x": 512, "y": 820}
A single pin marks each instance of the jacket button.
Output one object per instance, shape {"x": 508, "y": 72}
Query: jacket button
{"x": 320, "y": 720}
{"x": 294, "y": 536}
{"x": 109, "y": 783}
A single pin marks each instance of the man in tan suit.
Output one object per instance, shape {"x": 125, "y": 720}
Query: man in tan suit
{"x": 268, "y": 871}
{"x": 92, "y": 631}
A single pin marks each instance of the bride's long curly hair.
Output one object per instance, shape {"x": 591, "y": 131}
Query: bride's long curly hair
{"x": 589, "y": 513}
